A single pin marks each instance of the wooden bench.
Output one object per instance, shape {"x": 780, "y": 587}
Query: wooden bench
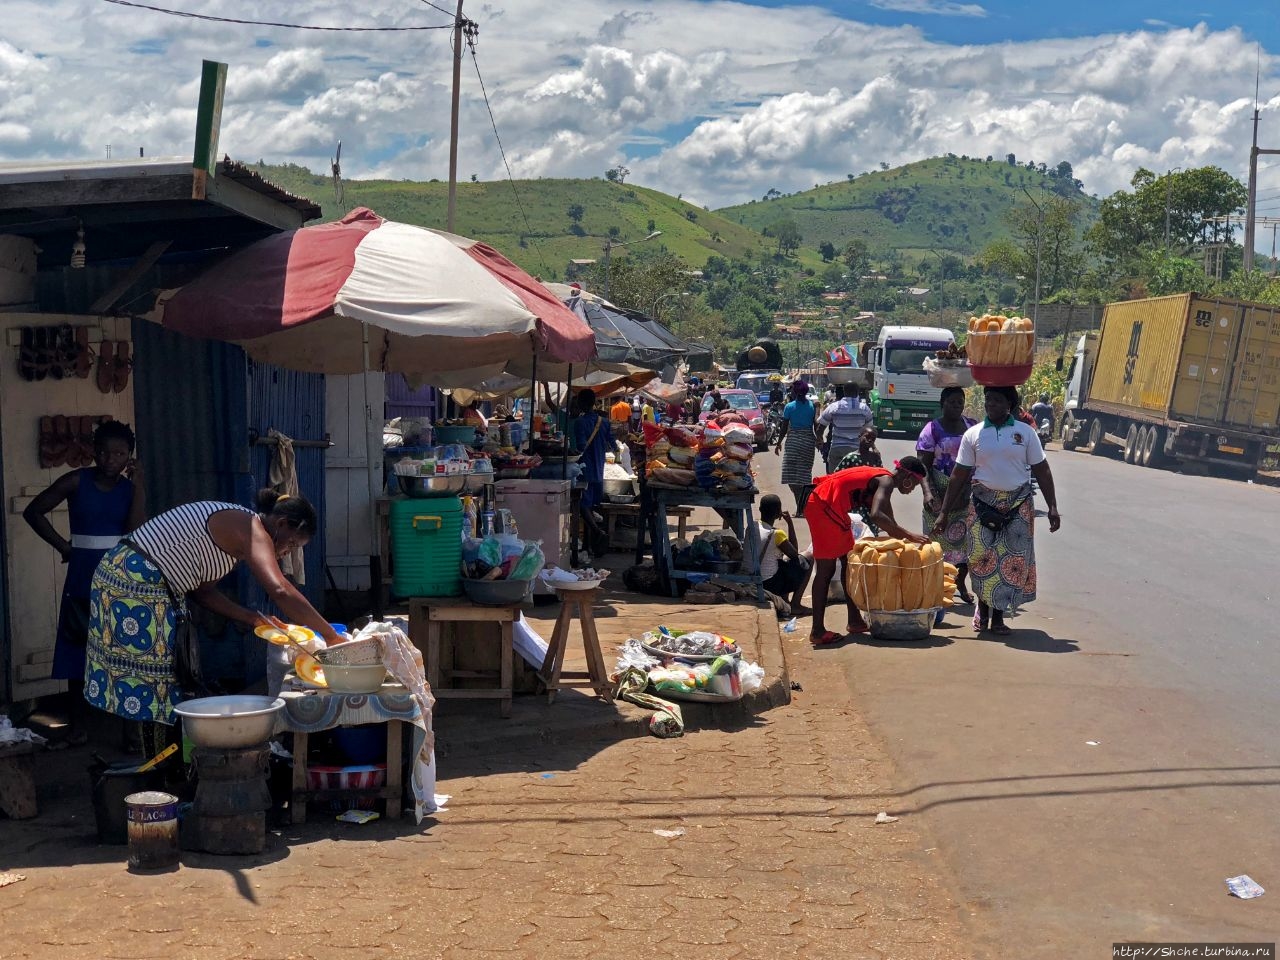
{"x": 612, "y": 511}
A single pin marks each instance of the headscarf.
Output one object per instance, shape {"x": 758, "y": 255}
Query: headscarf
{"x": 799, "y": 390}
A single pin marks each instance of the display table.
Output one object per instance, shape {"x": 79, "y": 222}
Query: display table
{"x": 311, "y": 711}
{"x": 426, "y": 618}
{"x": 612, "y": 511}
{"x": 737, "y": 510}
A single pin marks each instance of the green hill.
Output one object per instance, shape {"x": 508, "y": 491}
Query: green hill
{"x": 488, "y": 212}
{"x": 943, "y": 203}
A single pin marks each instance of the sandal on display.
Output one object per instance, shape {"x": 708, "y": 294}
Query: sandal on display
{"x": 61, "y": 446}
{"x": 50, "y": 455}
{"x": 28, "y": 359}
{"x": 106, "y": 366}
{"x": 51, "y": 351}
{"x": 123, "y": 365}
{"x": 83, "y": 355}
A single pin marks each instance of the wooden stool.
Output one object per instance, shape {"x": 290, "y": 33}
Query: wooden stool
{"x": 18, "y": 780}
{"x": 431, "y": 613}
{"x": 575, "y": 603}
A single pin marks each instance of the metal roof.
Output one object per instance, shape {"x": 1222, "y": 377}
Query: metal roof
{"x": 124, "y": 206}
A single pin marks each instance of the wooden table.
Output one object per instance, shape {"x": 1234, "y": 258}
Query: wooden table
{"x": 612, "y": 511}
{"x": 736, "y": 508}
{"x": 426, "y": 617}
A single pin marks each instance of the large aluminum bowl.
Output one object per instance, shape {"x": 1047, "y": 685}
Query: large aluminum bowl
{"x": 620, "y": 488}
{"x": 228, "y": 723}
{"x": 901, "y": 624}
{"x": 433, "y": 486}
{"x": 858, "y": 376}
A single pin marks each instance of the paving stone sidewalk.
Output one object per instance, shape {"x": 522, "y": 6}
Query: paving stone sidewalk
{"x": 543, "y": 851}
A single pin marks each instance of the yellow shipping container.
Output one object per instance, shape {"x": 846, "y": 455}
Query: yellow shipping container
{"x": 1192, "y": 358}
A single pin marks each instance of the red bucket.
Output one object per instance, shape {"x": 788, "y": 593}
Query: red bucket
{"x": 1010, "y": 376}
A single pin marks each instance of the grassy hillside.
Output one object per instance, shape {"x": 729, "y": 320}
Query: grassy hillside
{"x": 944, "y": 203}
{"x": 488, "y": 212}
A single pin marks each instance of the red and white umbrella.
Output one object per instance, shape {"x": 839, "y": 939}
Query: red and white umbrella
{"x": 429, "y": 302}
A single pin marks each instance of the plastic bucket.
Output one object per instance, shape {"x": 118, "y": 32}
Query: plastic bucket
{"x": 153, "y": 830}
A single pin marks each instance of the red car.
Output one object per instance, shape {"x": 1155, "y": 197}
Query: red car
{"x": 743, "y": 403}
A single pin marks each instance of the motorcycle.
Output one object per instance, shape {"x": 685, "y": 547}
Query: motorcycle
{"x": 773, "y": 426}
{"x": 1044, "y": 431}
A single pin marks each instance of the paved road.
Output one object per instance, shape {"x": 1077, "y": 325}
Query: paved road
{"x": 1096, "y": 776}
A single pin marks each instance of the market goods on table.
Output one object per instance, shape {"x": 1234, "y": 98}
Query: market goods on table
{"x": 713, "y": 456}
{"x": 587, "y": 578}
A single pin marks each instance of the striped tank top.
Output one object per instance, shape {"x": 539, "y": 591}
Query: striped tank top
{"x": 180, "y": 543}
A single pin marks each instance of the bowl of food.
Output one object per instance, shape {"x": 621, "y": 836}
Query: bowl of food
{"x": 437, "y": 485}
{"x": 229, "y": 723}
{"x": 354, "y": 678}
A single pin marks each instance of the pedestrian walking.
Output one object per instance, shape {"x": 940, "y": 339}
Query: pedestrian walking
{"x": 842, "y": 423}
{"x": 798, "y": 419}
{"x": 937, "y": 447}
{"x": 995, "y": 456}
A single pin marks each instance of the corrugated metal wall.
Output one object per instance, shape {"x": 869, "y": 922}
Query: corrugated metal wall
{"x": 402, "y": 401}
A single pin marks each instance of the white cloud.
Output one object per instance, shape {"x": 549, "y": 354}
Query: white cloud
{"x": 720, "y": 100}
{"x": 941, "y": 8}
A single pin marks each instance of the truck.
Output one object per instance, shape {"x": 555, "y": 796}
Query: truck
{"x": 1181, "y": 379}
{"x": 902, "y": 399}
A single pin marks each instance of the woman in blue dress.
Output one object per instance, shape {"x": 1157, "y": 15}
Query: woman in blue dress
{"x": 797, "y": 434}
{"x": 104, "y": 502}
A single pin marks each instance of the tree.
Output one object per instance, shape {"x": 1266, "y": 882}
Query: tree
{"x": 1010, "y": 159}
{"x": 1052, "y": 229}
{"x": 1063, "y": 171}
{"x": 854, "y": 256}
{"x": 617, "y": 174}
{"x": 575, "y": 212}
{"x": 653, "y": 225}
{"x": 637, "y": 279}
{"x": 884, "y": 165}
{"x": 787, "y": 235}
{"x": 828, "y": 251}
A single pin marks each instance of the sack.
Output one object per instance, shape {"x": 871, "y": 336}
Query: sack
{"x": 993, "y": 518}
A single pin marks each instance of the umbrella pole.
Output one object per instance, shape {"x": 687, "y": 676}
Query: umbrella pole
{"x": 564, "y": 460}
{"x": 372, "y": 455}
{"x": 533, "y": 403}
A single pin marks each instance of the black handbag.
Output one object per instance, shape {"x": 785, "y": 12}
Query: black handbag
{"x": 993, "y": 518}
{"x": 186, "y": 638}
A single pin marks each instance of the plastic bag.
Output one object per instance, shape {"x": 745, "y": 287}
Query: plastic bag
{"x": 531, "y": 560}
{"x": 490, "y": 553}
{"x": 681, "y": 456}
{"x": 750, "y": 676}
{"x": 683, "y": 437}
{"x": 738, "y": 433}
{"x": 673, "y": 476}
{"x": 736, "y": 450}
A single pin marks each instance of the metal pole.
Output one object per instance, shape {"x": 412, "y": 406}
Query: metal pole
{"x": 564, "y": 450}
{"x": 453, "y": 118}
{"x": 607, "y": 247}
{"x": 373, "y": 450}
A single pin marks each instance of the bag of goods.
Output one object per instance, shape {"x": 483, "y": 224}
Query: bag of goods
{"x": 728, "y": 467}
{"x": 681, "y": 456}
{"x": 680, "y": 436}
{"x": 673, "y": 476}
{"x": 739, "y": 433}
{"x": 737, "y": 450}
{"x": 653, "y": 433}
{"x": 704, "y": 470}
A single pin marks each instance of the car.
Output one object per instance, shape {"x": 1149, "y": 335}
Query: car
{"x": 744, "y": 403}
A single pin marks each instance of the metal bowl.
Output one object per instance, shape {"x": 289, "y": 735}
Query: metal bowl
{"x": 620, "y": 488}
{"x": 475, "y": 482}
{"x": 360, "y": 678}
{"x": 228, "y": 723}
{"x": 433, "y": 486}
{"x": 495, "y": 593}
{"x": 858, "y": 376}
{"x": 901, "y": 624}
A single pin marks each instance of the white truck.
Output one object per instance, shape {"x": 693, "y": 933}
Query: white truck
{"x": 902, "y": 399}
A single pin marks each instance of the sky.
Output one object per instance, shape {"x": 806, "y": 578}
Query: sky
{"x": 713, "y": 100}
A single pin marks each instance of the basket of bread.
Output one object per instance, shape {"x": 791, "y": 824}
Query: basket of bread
{"x": 1000, "y": 350}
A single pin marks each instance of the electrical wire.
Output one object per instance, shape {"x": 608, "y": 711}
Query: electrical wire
{"x": 271, "y": 23}
{"x": 471, "y": 43}
{"x": 440, "y": 8}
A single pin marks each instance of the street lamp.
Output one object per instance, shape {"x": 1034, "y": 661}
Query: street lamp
{"x": 666, "y": 296}
{"x": 608, "y": 247}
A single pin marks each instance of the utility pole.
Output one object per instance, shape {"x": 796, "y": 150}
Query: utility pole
{"x": 1035, "y": 307}
{"x": 1168, "y": 202}
{"x": 453, "y": 117}
{"x": 1250, "y": 216}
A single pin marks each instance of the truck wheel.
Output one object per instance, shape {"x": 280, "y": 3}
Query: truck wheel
{"x": 1070, "y": 432}
{"x": 1131, "y": 444}
{"x": 1096, "y": 442}
{"x": 1148, "y": 455}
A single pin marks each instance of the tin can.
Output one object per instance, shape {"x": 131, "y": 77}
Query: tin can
{"x": 153, "y": 830}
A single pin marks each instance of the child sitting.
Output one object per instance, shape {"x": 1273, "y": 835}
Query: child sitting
{"x": 786, "y": 573}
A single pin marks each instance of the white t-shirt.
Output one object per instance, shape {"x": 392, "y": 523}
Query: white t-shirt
{"x": 846, "y": 417}
{"x": 772, "y": 539}
{"x": 1000, "y": 456}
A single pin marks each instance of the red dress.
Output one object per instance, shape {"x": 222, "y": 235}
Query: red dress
{"x": 828, "y": 508}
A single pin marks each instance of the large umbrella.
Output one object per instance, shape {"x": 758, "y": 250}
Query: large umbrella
{"x": 430, "y": 303}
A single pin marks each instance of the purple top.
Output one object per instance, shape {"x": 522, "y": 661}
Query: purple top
{"x": 944, "y": 445}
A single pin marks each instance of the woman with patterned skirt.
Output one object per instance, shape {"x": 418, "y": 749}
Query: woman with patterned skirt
{"x": 130, "y": 657}
{"x": 937, "y": 447}
{"x": 997, "y": 456}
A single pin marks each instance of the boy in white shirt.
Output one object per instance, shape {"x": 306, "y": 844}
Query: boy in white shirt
{"x": 786, "y": 573}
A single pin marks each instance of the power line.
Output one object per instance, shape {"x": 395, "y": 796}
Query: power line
{"x": 433, "y": 6}
{"x": 271, "y": 23}
{"x": 470, "y": 31}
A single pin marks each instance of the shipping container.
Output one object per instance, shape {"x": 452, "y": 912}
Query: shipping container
{"x": 1182, "y": 377}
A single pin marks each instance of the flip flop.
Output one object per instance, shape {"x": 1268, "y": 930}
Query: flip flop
{"x": 124, "y": 364}
{"x": 826, "y": 639}
{"x": 854, "y": 631}
{"x": 106, "y": 366}
{"x": 27, "y": 358}
{"x": 83, "y": 355}
{"x": 49, "y": 451}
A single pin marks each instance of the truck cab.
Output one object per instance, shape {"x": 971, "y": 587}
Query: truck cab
{"x": 1074, "y": 423}
{"x": 902, "y": 399}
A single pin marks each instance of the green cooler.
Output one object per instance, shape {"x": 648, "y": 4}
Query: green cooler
{"x": 426, "y": 547}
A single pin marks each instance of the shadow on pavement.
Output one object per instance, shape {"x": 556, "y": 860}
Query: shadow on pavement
{"x": 1032, "y": 641}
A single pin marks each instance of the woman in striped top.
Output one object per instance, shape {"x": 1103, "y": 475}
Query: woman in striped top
{"x": 129, "y": 669}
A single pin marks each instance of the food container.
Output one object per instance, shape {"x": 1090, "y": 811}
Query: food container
{"x": 354, "y": 678}
{"x": 495, "y": 593}
{"x": 364, "y": 777}
{"x": 620, "y": 488}
{"x": 226, "y": 723}
{"x": 1010, "y": 376}
{"x": 352, "y": 653}
{"x": 466, "y": 433}
{"x": 434, "y": 486}
{"x": 901, "y": 624}
{"x": 948, "y": 373}
{"x": 858, "y": 376}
